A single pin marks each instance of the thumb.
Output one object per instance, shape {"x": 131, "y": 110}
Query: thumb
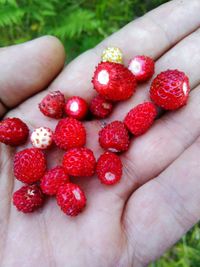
{"x": 28, "y": 68}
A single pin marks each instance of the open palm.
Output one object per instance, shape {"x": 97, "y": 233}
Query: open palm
{"x": 157, "y": 200}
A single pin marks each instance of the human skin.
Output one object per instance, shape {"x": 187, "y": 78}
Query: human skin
{"x": 157, "y": 201}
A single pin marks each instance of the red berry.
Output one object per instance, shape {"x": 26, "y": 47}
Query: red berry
{"x": 53, "y": 105}
{"x": 114, "y": 81}
{"x": 140, "y": 118}
{"x": 13, "y": 132}
{"x": 71, "y": 199}
{"x": 29, "y": 165}
{"x": 109, "y": 168}
{"x": 28, "y": 198}
{"x": 114, "y": 137}
{"x": 100, "y": 107}
{"x": 79, "y": 162}
{"x": 69, "y": 133}
{"x": 142, "y": 67}
{"x": 53, "y": 179}
{"x": 76, "y": 107}
{"x": 170, "y": 89}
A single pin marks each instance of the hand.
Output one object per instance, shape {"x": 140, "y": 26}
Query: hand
{"x": 157, "y": 200}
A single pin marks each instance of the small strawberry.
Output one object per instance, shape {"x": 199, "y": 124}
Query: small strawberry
{"x": 114, "y": 81}
{"x": 114, "y": 137}
{"x": 28, "y": 198}
{"x": 170, "y": 89}
{"x": 109, "y": 168}
{"x": 100, "y": 107}
{"x": 79, "y": 162}
{"x": 53, "y": 105}
{"x": 112, "y": 54}
{"x": 13, "y": 132}
{"x": 53, "y": 179}
{"x": 71, "y": 199}
{"x": 140, "y": 118}
{"x": 42, "y": 138}
{"x": 69, "y": 133}
{"x": 142, "y": 67}
{"x": 76, "y": 107}
{"x": 29, "y": 165}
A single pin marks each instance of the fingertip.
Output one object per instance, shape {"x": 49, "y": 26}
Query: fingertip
{"x": 48, "y": 48}
{"x": 33, "y": 66}
{"x": 53, "y": 46}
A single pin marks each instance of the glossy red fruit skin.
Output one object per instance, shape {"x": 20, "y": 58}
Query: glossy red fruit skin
{"x": 29, "y": 165}
{"x": 53, "y": 105}
{"x": 147, "y": 66}
{"x": 13, "y": 132}
{"x": 108, "y": 165}
{"x": 69, "y": 133}
{"x": 71, "y": 199}
{"x": 76, "y": 107}
{"x": 120, "y": 83}
{"x": 140, "y": 118}
{"x": 79, "y": 162}
{"x": 170, "y": 89}
{"x": 100, "y": 107}
{"x": 114, "y": 137}
{"x": 53, "y": 179}
{"x": 28, "y": 198}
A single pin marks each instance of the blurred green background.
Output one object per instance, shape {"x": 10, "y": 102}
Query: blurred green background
{"x": 81, "y": 24}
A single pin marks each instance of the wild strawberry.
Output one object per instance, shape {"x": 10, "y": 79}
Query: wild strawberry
{"x": 140, "y": 118}
{"x": 29, "y": 165}
{"x": 114, "y": 137}
{"x": 112, "y": 54}
{"x": 53, "y": 105}
{"x": 114, "y": 81}
{"x": 100, "y": 107}
{"x": 42, "y": 138}
{"x": 109, "y": 168}
{"x": 53, "y": 179}
{"x": 79, "y": 162}
{"x": 142, "y": 67}
{"x": 71, "y": 199}
{"x": 28, "y": 198}
{"x": 76, "y": 107}
{"x": 13, "y": 132}
{"x": 170, "y": 89}
{"x": 69, "y": 133}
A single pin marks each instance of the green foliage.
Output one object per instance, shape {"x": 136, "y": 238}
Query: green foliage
{"x": 81, "y": 24}
{"x": 185, "y": 253}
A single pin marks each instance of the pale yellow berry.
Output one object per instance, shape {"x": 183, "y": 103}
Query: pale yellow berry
{"x": 42, "y": 138}
{"x": 112, "y": 54}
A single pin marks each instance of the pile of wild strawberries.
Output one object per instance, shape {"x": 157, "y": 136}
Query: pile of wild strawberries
{"x": 114, "y": 82}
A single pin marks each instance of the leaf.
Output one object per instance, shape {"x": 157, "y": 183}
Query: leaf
{"x": 75, "y": 23}
{"x": 10, "y": 16}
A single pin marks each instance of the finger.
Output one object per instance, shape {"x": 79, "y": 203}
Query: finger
{"x": 185, "y": 56}
{"x": 145, "y": 33}
{"x": 28, "y": 68}
{"x": 153, "y": 34}
{"x": 165, "y": 208}
{"x": 170, "y": 135}
{"x": 154, "y": 151}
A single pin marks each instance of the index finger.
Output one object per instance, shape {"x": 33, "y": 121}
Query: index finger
{"x": 153, "y": 34}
